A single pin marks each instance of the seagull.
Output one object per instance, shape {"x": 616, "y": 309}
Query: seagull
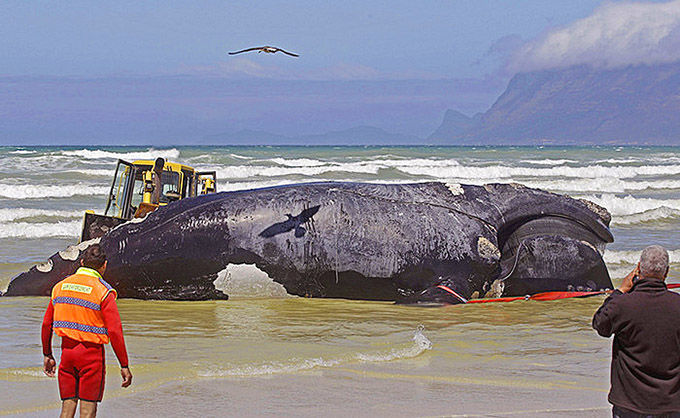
{"x": 267, "y": 49}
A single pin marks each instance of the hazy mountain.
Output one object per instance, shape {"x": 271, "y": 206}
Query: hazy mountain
{"x": 578, "y": 105}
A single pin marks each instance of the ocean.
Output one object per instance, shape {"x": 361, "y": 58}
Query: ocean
{"x": 266, "y": 353}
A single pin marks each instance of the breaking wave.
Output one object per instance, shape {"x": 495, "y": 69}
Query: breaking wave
{"x": 299, "y": 162}
{"x": 550, "y": 162}
{"x": 31, "y": 191}
{"x": 149, "y": 154}
{"x": 40, "y": 229}
{"x": 659, "y": 214}
{"x": 419, "y": 345}
{"x": 632, "y": 257}
{"x": 246, "y": 171}
{"x": 12, "y": 214}
{"x": 500, "y": 171}
{"x": 629, "y": 205}
{"x": 95, "y": 172}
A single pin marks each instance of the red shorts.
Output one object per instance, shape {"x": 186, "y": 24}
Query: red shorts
{"x": 82, "y": 370}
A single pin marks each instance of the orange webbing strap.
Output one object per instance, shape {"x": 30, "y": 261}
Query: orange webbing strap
{"x": 547, "y": 295}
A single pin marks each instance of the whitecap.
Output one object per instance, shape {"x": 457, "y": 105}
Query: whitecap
{"x": 12, "y": 214}
{"x": 504, "y": 171}
{"x": 298, "y": 162}
{"x": 632, "y": 257}
{"x": 247, "y": 171}
{"x": 629, "y": 205}
{"x": 150, "y": 154}
{"x": 658, "y": 214}
{"x": 95, "y": 172}
{"x": 35, "y": 191}
{"x": 550, "y": 162}
{"x": 240, "y": 157}
{"x": 40, "y": 229}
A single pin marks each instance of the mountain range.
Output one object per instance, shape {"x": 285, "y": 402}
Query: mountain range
{"x": 576, "y": 106}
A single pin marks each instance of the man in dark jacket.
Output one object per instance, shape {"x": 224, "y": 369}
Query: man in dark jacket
{"x": 644, "y": 318}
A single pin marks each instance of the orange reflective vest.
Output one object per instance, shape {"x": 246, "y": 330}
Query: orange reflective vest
{"x": 77, "y": 306}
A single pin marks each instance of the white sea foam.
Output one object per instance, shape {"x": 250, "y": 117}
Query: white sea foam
{"x": 603, "y": 184}
{"x": 95, "y": 172}
{"x": 150, "y": 154}
{"x": 416, "y": 162}
{"x": 298, "y": 162}
{"x": 591, "y": 177}
{"x": 629, "y": 205}
{"x": 502, "y": 171}
{"x": 13, "y": 214}
{"x": 618, "y": 161}
{"x": 596, "y": 185}
{"x": 36, "y": 191}
{"x": 267, "y": 369}
{"x": 632, "y": 257}
{"x": 658, "y": 214}
{"x": 23, "y": 152}
{"x": 39, "y": 229}
{"x": 240, "y": 157}
{"x": 246, "y": 171}
{"x": 550, "y": 162}
{"x": 420, "y": 344}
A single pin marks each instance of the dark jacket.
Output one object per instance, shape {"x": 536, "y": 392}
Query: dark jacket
{"x": 645, "y": 374}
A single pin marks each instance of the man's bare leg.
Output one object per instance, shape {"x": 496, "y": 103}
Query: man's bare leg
{"x": 68, "y": 408}
{"x": 88, "y": 409}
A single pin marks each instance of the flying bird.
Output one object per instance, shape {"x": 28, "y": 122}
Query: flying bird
{"x": 267, "y": 49}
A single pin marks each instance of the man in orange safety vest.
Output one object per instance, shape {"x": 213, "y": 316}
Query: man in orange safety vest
{"x": 83, "y": 312}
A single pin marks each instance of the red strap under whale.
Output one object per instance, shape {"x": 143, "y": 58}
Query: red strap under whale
{"x": 541, "y": 296}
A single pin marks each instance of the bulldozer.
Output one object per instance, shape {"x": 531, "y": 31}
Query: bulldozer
{"x": 141, "y": 187}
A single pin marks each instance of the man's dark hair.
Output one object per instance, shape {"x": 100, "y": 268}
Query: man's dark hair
{"x": 94, "y": 257}
{"x": 158, "y": 164}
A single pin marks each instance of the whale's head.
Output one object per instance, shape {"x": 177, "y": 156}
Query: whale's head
{"x": 542, "y": 242}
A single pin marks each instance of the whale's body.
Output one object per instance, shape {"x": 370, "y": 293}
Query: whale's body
{"x": 425, "y": 242}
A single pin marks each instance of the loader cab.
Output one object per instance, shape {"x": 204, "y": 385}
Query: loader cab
{"x": 141, "y": 187}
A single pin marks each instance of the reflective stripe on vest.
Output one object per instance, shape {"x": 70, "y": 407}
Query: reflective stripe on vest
{"x": 80, "y": 327}
{"x": 77, "y": 306}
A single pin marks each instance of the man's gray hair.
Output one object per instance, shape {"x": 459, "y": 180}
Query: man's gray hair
{"x": 654, "y": 261}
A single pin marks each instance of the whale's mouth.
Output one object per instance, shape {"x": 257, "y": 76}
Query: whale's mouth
{"x": 552, "y": 253}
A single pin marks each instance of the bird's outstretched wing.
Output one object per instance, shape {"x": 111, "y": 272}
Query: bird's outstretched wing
{"x": 289, "y": 53}
{"x": 279, "y": 228}
{"x": 246, "y": 50}
{"x": 307, "y": 214}
{"x": 293, "y": 222}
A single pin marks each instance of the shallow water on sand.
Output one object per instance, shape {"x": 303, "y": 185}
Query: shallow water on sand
{"x": 311, "y": 356}
{"x": 263, "y": 353}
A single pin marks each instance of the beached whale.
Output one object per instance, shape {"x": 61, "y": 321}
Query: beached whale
{"x": 425, "y": 242}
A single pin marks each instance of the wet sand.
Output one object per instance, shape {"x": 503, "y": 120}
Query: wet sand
{"x": 350, "y": 392}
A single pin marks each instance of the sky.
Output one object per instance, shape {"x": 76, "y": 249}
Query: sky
{"x": 77, "y": 70}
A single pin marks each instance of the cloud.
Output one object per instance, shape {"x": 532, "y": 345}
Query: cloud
{"x": 615, "y": 35}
